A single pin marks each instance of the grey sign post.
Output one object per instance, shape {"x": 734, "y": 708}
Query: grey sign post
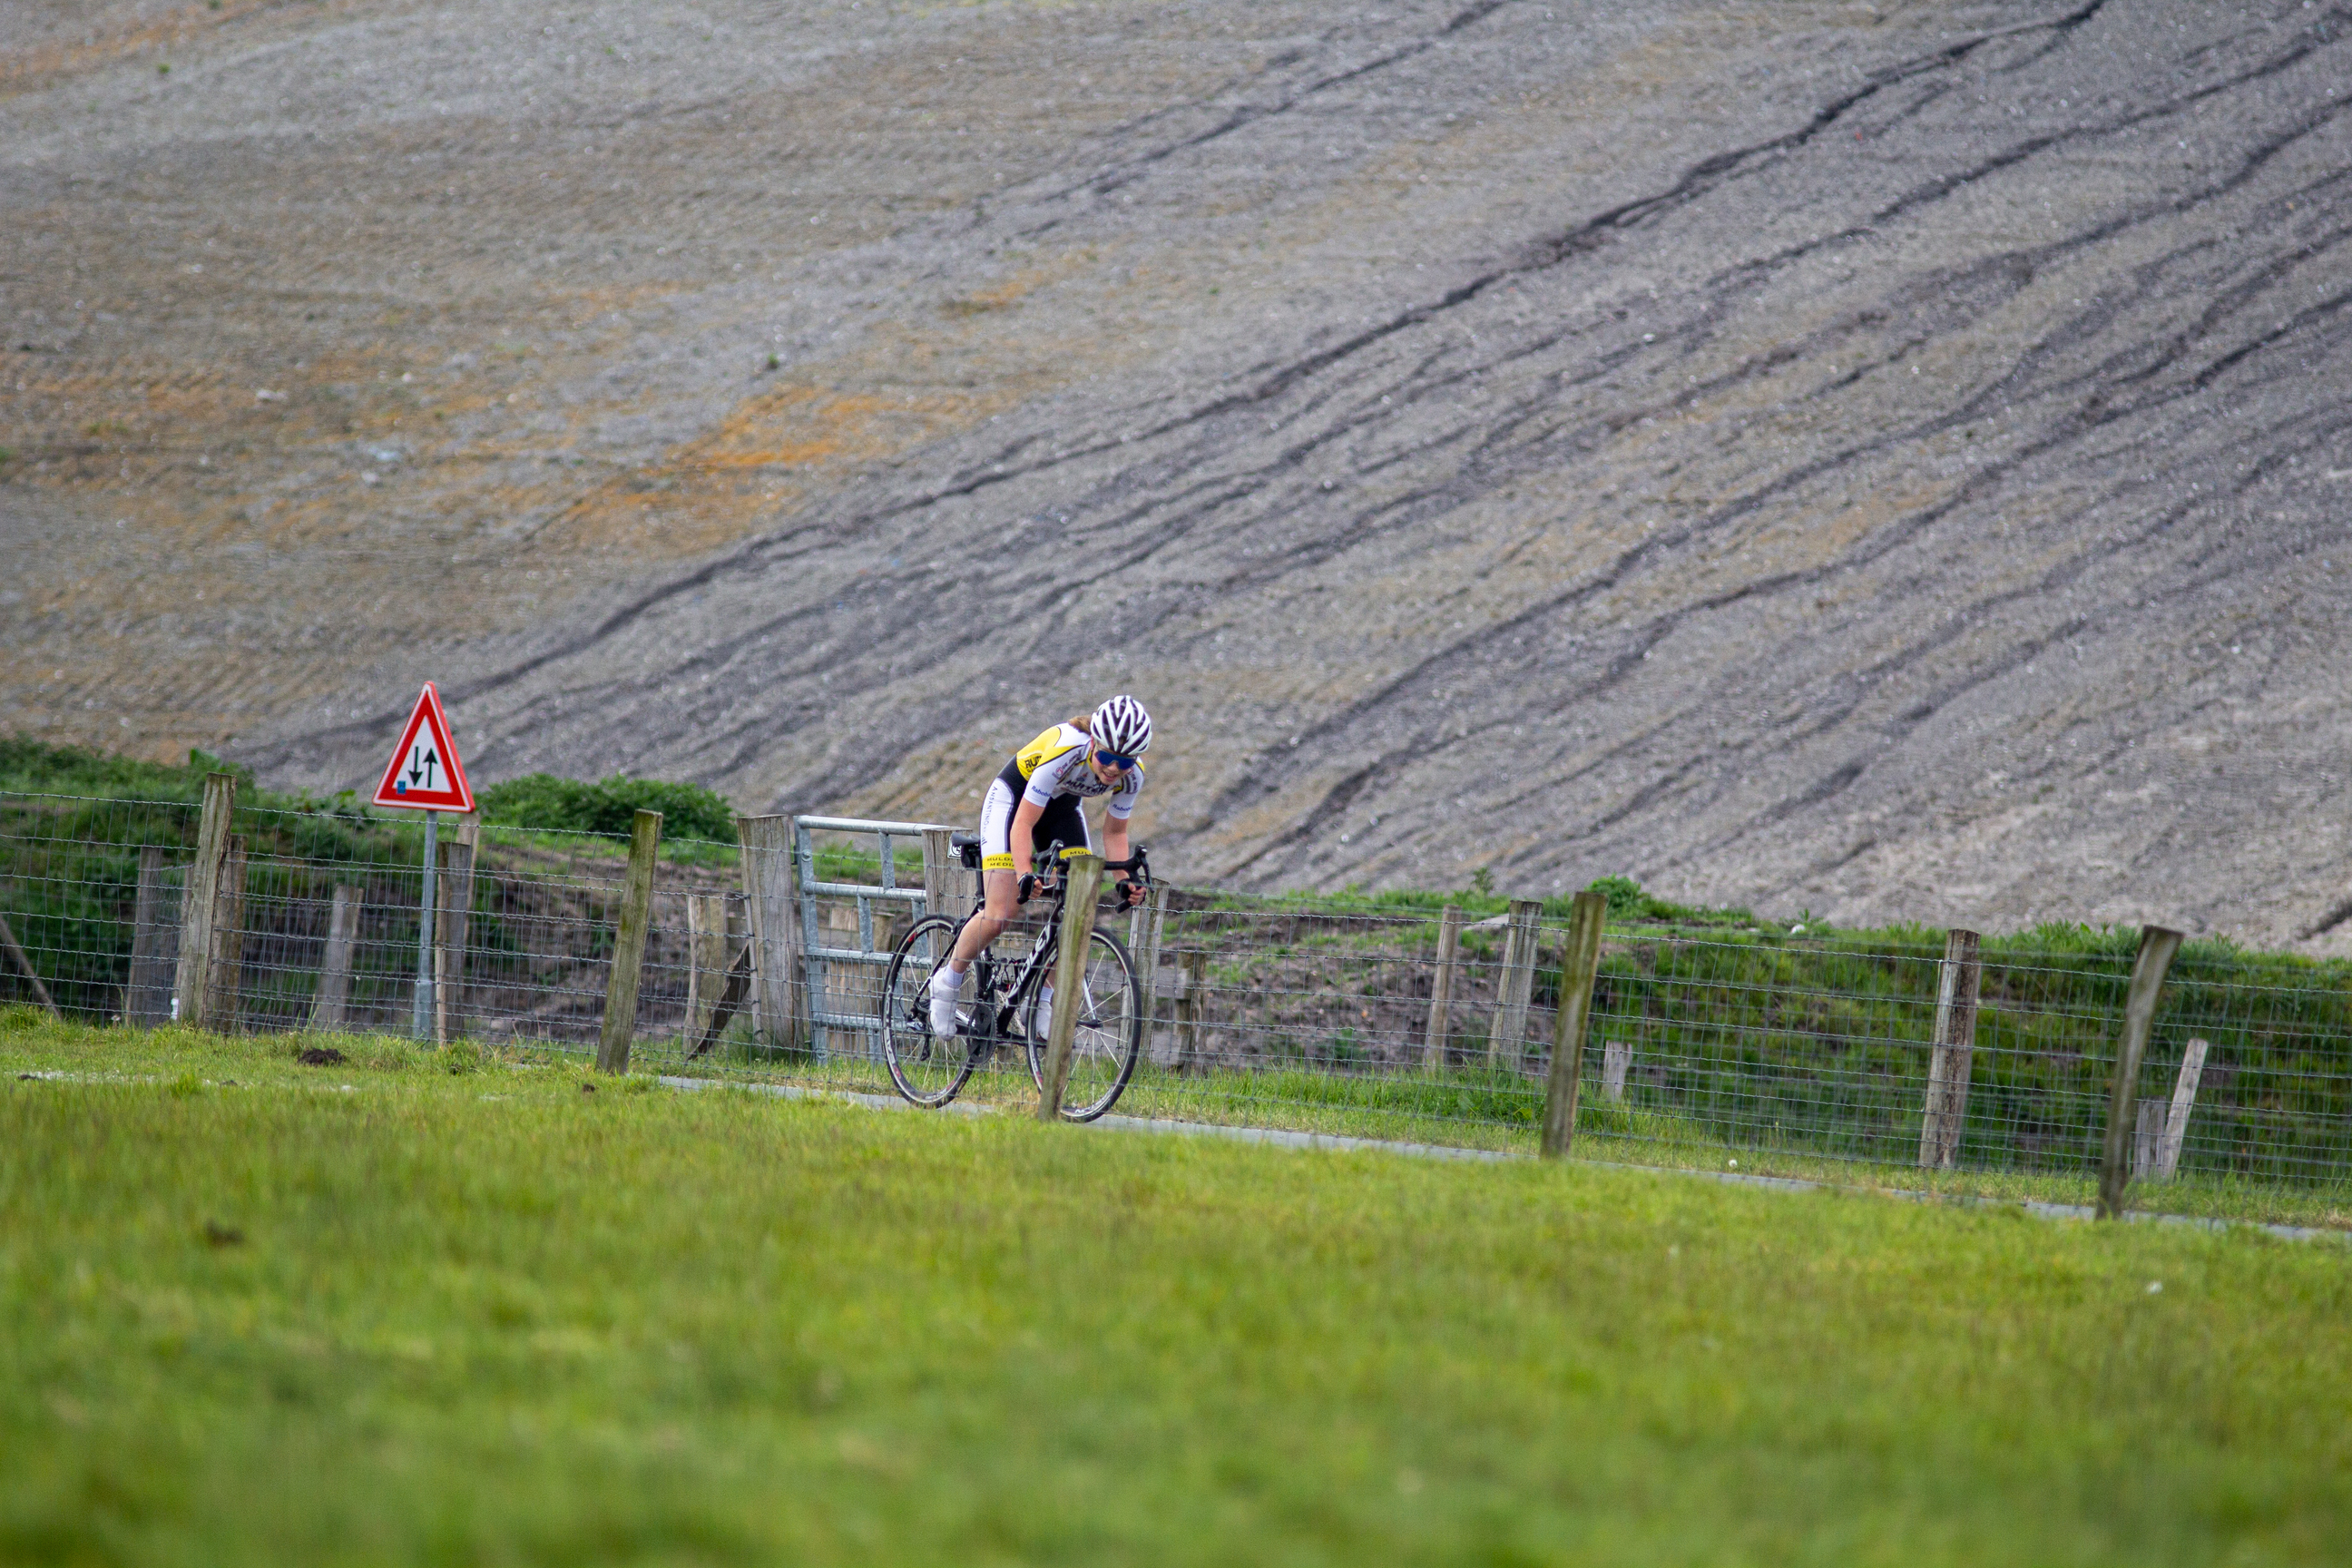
{"x": 425, "y": 775}
{"x": 420, "y": 1016}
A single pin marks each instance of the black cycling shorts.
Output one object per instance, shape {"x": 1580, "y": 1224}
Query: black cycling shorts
{"x": 1061, "y": 821}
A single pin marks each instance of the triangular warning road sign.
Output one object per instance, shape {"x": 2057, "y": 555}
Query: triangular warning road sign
{"x": 425, "y": 775}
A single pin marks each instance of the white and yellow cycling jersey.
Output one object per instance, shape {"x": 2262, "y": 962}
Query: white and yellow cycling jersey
{"x": 1054, "y": 764}
{"x": 1050, "y": 771}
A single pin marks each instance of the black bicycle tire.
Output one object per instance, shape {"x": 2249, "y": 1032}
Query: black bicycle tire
{"x": 1127, "y": 1059}
{"x": 899, "y": 955}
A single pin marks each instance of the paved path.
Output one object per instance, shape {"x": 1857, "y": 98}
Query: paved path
{"x": 1290, "y": 1140}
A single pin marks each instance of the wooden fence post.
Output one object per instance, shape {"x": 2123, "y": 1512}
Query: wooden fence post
{"x": 2184, "y": 1101}
{"x": 1616, "y": 1058}
{"x": 629, "y": 945}
{"x": 147, "y": 1000}
{"x": 1191, "y": 987}
{"x": 192, "y": 977}
{"x": 770, "y": 899}
{"x": 1082, "y": 876}
{"x": 2156, "y": 946}
{"x": 1441, "y": 986}
{"x": 706, "y": 963}
{"x": 730, "y": 1002}
{"x": 1957, "y": 981}
{"x": 1518, "y": 980}
{"x": 941, "y": 869}
{"x": 23, "y": 962}
{"x": 1143, "y": 944}
{"x": 2147, "y": 1138}
{"x": 456, "y": 897}
{"x": 229, "y": 938}
{"x": 334, "y": 992}
{"x": 1580, "y": 967}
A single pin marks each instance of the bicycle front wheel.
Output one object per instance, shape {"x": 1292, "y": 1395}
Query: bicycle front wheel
{"x": 927, "y": 1069}
{"x": 1108, "y": 1037}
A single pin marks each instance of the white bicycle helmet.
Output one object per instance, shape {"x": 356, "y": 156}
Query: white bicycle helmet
{"x": 1121, "y": 726}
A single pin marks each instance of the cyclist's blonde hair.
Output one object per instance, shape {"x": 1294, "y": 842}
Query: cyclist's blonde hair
{"x": 1084, "y": 724}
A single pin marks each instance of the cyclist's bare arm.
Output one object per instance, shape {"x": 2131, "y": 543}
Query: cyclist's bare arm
{"x": 1024, "y": 835}
{"x": 1115, "y": 848}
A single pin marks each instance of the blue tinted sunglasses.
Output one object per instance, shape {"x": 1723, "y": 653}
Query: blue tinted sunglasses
{"x": 1113, "y": 760}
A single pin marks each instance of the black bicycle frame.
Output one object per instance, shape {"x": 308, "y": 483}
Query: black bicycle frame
{"x": 1023, "y": 982}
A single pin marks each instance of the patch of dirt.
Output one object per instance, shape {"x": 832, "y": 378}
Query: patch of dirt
{"x": 1889, "y": 462}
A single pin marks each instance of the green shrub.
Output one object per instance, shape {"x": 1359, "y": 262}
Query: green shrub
{"x": 571, "y": 805}
{"x": 1626, "y": 898}
{"x": 1629, "y": 903}
{"x": 34, "y": 767}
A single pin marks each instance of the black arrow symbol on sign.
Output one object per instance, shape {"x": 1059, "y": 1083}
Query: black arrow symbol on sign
{"x": 414, "y": 773}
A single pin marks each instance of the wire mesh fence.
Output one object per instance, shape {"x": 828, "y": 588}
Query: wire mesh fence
{"x": 1387, "y": 1019}
{"x": 1820, "y": 1048}
{"x": 326, "y": 917}
{"x": 1331, "y": 1021}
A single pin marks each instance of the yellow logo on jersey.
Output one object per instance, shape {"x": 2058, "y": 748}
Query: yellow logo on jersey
{"x": 1057, "y": 742}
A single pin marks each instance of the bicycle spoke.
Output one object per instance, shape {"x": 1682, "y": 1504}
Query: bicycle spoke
{"x": 927, "y": 1069}
{"x": 1106, "y": 1034}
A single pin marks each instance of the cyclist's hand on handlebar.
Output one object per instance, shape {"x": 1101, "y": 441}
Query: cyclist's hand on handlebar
{"x": 1129, "y": 894}
{"x": 1028, "y": 886}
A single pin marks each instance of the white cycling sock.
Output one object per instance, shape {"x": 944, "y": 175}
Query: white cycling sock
{"x": 947, "y": 988}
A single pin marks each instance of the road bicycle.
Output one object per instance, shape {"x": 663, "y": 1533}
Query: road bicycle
{"x": 1001, "y": 1002}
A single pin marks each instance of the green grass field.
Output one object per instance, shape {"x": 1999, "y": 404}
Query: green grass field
{"x": 1473, "y": 1109}
{"x": 257, "y": 1312}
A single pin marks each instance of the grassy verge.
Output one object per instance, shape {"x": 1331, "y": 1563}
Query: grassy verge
{"x": 251, "y": 1310}
{"x": 1462, "y": 1109}
{"x": 1473, "y": 1109}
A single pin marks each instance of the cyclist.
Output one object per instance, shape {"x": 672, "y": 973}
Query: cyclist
{"x": 1033, "y": 802}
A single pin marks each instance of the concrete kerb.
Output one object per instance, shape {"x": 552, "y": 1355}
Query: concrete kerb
{"x": 1335, "y": 1142}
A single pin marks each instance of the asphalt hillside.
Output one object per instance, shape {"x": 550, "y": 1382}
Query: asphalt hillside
{"x": 1885, "y": 459}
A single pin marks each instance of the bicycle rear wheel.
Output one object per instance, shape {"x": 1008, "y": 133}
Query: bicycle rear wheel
{"x": 927, "y": 1069}
{"x": 1108, "y": 1037}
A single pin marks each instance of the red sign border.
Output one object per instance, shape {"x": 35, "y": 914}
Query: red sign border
{"x": 428, "y": 712}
